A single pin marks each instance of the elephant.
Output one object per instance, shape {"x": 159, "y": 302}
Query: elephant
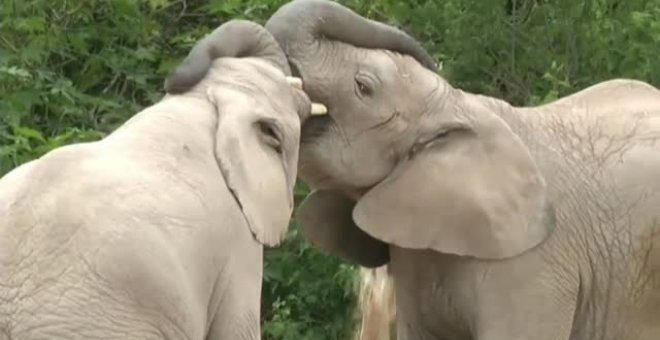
{"x": 495, "y": 221}
{"x": 157, "y": 230}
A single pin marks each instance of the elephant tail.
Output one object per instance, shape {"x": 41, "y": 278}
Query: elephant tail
{"x": 376, "y": 304}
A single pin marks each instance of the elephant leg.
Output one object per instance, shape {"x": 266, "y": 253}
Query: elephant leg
{"x": 238, "y": 291}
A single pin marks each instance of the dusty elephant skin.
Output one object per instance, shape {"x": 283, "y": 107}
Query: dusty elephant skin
{"x": 497, "y": 222}
{"x": 156, "y": 231}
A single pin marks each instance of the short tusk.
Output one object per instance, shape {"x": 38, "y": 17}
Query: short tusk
{"x": 295, "y": 82}
{"x": 318, "y": 109}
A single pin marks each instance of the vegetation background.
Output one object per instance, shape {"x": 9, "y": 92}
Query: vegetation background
{"x": 73, "y": 70}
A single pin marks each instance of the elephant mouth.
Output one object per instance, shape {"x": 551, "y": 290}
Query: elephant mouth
{"x": 314, "y": 128}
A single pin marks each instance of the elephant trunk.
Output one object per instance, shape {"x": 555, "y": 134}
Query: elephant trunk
{"x": 235, "y": 38}
{"x": 301, "y": 23}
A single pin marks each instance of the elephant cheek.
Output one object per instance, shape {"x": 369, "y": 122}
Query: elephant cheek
{"x": 328, "y": 163}
{"x": 316, "y": 163}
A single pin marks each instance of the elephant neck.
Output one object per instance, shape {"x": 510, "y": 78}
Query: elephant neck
{"x": 520, "y": 120}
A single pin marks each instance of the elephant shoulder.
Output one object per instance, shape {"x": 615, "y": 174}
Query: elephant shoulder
{"x": 616, "y": 96}
{"x": 43, "y": 174}
{"x": 73, "y": 183}
{"x": 621, "y": 85}
{"x": 622, "y": 95}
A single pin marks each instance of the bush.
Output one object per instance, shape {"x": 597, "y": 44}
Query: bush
{"x": 73, "y": 70}
{"x": 307, "y": 294}
{"x": 533, "y": 51}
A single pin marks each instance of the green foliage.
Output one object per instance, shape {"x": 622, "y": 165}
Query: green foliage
{"x": 307, "y": 294}
{"x": 533, "y": 51}
{"x": 73, "y": 70}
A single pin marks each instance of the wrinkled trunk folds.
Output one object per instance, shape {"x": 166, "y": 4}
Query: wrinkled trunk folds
{"x": 235, "y": 38}
{"x": 298, "y": 25}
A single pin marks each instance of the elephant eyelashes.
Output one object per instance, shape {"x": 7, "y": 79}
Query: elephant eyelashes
{"x": 271, "y": 135}
{"x": 364, "y": 85}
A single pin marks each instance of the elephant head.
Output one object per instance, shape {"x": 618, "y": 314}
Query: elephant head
{"x": 241, "y": 69}
{"x": 402, "y": 158}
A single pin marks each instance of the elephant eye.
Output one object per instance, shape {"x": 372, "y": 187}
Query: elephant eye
{"x": 270, "y": 135}
{"x": 363, "y": 88}
{"x": 363, "y": 85}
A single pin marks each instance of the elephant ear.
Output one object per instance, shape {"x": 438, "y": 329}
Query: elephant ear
{"x": 471, "y": 192}
{"x": 325, "y": 220}
{"x": 256, "y": 150}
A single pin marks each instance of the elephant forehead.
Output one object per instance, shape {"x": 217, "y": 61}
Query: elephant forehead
{"x": 255, "y": 85}
{"x": 386, "y": 64}
{"x": 409, "y": 72}
{"x": 239, "y": 108}
{"x": 251, "y": 103}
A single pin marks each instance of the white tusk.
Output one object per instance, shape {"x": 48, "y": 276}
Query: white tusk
{"x": 318, "y": 109}
{"x": 295, "y": 82}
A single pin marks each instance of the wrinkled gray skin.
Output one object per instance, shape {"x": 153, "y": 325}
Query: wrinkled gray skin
{"x": 156, "y": 231}
{"x": 497, "y": 222}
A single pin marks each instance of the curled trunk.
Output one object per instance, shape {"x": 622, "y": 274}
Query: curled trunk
{"x": 301, "y": 23}
{"x": 235, "y": 38}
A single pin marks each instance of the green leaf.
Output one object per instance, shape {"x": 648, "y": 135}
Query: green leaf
{"x": 16, "y": 72}
{"x": 29, "y": 133}
{"x": 154, "y": 4}
{"x": 142, "y": 53}
{"x": 35, "y": 24}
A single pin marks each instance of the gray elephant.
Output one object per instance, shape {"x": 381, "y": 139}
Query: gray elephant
{"x": 496, "y": 222}
{"x": 157, "y": 230}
